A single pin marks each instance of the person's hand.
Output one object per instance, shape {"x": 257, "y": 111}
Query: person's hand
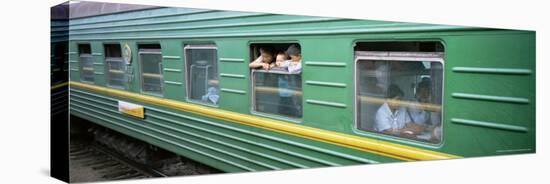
{"x": 407, "y": 134}
{"x": 265, "y": 66}
{"x": 415, "y": 128}
{"x": 436, "y": 134}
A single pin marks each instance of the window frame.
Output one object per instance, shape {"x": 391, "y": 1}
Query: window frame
{"x": 188, "y": 73}
{"x": 269, "y": 115}
{"x": 80, "y": 67}
{"x": 251, "y": 73}
{"x": 398, "y": 56}
{"x": 151, "y": 51}
{"x": 106, "y": 60}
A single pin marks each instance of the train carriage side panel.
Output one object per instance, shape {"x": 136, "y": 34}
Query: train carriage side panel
{"x": 234, "y": 75}
{"x": 98, "y": 60}
{"x": 173, "y": 70}
{"x": 74, "y": 65}
{"x": 327, "y": 83}
{"x": 490, "y": 93}
{"x": 476, "y": 82}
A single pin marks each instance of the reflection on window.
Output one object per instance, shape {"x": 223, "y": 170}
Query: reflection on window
{"x": 151, "y": 71}
{"x": 86, "y": 63}
{"x": 115, "y": 66}
{"x": 278, "y": 93}
{"x": 202, "y": 73}
{"x": 400, "y": 94}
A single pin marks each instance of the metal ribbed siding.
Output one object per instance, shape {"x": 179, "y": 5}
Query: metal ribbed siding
{"x": 59, "y": 100}
{"x": 490, "y": 92}
{"x": 59, "y": 31}
{"x": 229, "y": 147}
{"x": 195, "y": 23}
{"x": 327, "y": 43}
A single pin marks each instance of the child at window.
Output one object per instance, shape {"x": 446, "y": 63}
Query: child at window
{"x": 294, "y": 65}
{"x": 290, "y": 103}
{"x": 281, "y": 59}
{"x": 285, "y": 93}
{"x": 265, "y": 61}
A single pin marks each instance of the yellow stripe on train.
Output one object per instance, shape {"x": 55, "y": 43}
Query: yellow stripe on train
{"x": 379, "y": 147}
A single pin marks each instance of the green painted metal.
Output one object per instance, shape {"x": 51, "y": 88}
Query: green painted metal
{"x": 509, "y": 71}
{"x": 489, "y": 85}
{"x": 244, "y": 148}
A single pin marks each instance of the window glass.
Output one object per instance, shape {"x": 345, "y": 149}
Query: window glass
{"x": 151, "y": 71}
{"x": 202, "y": 73}
{"x": 278, "y": 93}
{"x": 115, "y": 66}
{"x": 276, "y": 79}
{"x": 86, "y": 63}
{"x": 59, "y": 63}
{"x": 400, "y": 94}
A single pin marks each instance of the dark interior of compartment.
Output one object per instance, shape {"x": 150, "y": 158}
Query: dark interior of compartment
{"x": 84, "y": 49}
{"x": 274, "y": 47}
{"x": 149, "y": 46}
{"x": 112, "y": 50}
{"x": 418, "y": 46}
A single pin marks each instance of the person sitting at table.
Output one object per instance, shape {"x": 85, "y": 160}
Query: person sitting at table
{"x": 418, "y": 111}
{"x": 394, "y": 119}
{"x": 423, "y": 118}
{"x": 264, "y": 61}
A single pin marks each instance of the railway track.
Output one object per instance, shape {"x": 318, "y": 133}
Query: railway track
{"x": 100, "y": 155}
{"x": 104, "y": 164}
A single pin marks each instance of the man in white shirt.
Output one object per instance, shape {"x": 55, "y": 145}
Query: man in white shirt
{"x": 427, "y": 120}
{"x": 423, "y": 96}
{"x": 393, "y": 119}
{"x": 388, "y": 119}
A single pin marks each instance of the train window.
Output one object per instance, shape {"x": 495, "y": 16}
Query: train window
{"x": 86, "y": 63}
{"x": 277, "y": 79}
{"x": 59, "y": 63}
{"x": 400, "y": 94}
{"x": 151, "y": 69}
{"x": 202, "y": 73}
{"x": 114, "y": 66}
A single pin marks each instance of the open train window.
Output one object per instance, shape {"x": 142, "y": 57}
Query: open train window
{"x": 86, "y": 63}
{"x": 277, "y": 79}
{"x": 114, "y": 66}
{"x": 201, "y": 63}
{"x": 400, "y": 93}
{"x": 150, "y": 58}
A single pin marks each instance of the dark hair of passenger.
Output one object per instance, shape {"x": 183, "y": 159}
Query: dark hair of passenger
{"x": 426, "y": 83}
{"x": 282, "y": 53}
{"x": 266, "y": 50}
{"x": 394, "y": 91}
{"x": 293, "y": 50}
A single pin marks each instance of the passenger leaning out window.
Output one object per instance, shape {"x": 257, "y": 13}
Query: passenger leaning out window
{"x": 264, "y": 61}
{"x": 294, "y": 65}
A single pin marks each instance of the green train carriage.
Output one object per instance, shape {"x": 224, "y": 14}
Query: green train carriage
{"x": 486, "y": 93}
